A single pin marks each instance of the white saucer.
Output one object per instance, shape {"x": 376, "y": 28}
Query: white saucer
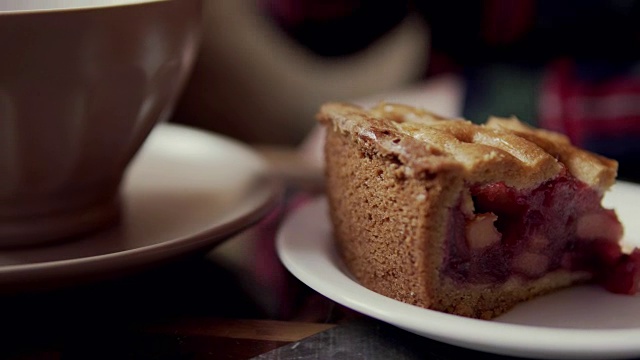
{"x": 582, "y": 322}
{"x": 185, "y": 191}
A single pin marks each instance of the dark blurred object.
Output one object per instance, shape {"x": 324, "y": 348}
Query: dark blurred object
{"x": 336, "y": 27}
{"x": 262, "y": 73}
{"x": 532, "y": 32}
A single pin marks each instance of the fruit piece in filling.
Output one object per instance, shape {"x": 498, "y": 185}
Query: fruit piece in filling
{"x": 559, "y": 225}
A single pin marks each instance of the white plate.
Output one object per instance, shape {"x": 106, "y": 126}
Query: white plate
{"x": 185, "y": 191}
{"x": 582, "y": 322}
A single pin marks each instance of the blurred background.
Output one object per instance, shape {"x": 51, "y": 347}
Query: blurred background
{"x": 572, "y": 66}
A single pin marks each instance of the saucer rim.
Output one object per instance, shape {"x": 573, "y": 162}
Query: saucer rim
{"x": 26, "y": 275}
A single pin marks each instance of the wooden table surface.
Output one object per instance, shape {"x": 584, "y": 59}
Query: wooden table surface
{"x": 193, "y": 308}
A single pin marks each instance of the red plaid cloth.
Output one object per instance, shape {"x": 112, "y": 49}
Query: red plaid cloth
{"x": 593, "y": 113}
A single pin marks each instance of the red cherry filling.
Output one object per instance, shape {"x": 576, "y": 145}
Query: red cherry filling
{"x": 528, "y": 233}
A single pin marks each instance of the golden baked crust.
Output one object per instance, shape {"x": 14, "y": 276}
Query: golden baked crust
{"x": 395, "y": 175}
{"x": 500, "y": 150}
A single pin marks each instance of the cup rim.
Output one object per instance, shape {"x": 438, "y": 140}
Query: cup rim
{"x": 62, "y": 9}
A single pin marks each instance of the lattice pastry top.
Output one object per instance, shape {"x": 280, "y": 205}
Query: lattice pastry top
{"x": 503, "y": 149}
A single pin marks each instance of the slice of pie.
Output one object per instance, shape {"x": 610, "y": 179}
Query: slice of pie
{"x": 468, "y": 219}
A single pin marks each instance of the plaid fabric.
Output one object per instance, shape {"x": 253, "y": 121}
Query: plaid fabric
{"x": 598, "y": 107}
{"x": 590, "y": 104}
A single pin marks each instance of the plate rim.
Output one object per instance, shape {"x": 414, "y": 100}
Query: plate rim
{"x": 271, "y": 187}
{"x": 524, "y": 340}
